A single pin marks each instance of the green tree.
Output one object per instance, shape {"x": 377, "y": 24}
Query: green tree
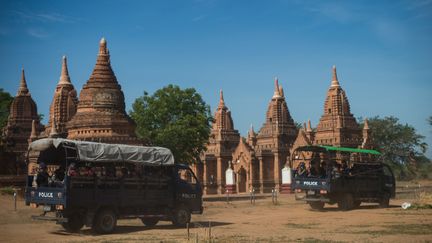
{"x": 5, "y": 102}
{"x": 174, "y": 118}
{"x": 400, "y": 144}
{"x": 430, "y": 120}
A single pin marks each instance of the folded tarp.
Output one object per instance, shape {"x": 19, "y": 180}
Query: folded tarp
{"x": 103, "y": 152}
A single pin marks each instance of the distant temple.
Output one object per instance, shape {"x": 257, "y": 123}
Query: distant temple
{"x": 251, "y": 163}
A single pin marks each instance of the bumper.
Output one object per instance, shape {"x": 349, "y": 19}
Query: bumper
{"x": 306, "y": 198}
{"x": 48, "y": 218}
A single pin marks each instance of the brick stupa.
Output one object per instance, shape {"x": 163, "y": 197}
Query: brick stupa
{"x": 101, "y": 115}
{"x": 64, "y": 104}
{"x": 23, "y": 113}
{"x": 337, "y": 125}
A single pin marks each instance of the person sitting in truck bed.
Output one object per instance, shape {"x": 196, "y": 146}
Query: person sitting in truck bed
{"x": 89, "y": 170}
{"x": 137, "y": 171}
{"x": 125, "y": 173}
{"x": 301, "y": 170}
{"x": 72, "y": 171}
{"x": 336, "y": 170}
{"x": 42, "y": 175}
{"x": 58, "y": 177}
{"x": 322, "y": 169}
{"x": 312, "y": 170}
{"x": 345, "y": 170}
{"x": 110, "y": 171}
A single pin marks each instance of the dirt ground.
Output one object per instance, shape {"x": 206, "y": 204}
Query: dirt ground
{"x": 239, "y": 221}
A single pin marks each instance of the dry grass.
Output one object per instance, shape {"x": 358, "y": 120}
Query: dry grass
{"x": 423, "y": 201}
{"x": 424, "y": 198}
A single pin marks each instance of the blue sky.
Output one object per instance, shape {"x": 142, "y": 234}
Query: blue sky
{"x": 382, "y": 50}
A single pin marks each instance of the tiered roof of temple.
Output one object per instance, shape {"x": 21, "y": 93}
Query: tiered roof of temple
{"x": 337, "y": 125}
{"x": 64, "y": 104}
{"x": 279, "y": 124}
{"x": 23, "y": 111}
{"x": 101, "y": 114}
{"x": 223, "y": 136}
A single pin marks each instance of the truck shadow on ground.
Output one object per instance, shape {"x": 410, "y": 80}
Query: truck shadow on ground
{"x": 121, "y": 229}
{"x": 361, "y": 207}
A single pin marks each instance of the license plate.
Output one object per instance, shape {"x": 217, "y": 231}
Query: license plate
{"x": 47, "y": 208}
{"x": 311, "y": 192}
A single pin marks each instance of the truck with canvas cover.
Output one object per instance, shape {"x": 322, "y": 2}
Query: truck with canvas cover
{"x": 81, "y": 183}
{"x": 346, "y": 176}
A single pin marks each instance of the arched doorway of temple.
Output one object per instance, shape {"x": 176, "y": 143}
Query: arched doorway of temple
{"x": 242, "y": 180}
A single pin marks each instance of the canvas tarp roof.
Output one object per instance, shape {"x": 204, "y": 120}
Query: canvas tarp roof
{"x": 102, "y": 152}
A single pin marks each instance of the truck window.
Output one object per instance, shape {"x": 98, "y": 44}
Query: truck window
{"x": 387, "y": 171}
{"x": 187, "y": 176}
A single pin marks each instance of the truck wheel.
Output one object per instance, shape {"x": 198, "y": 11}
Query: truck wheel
{"x": 74, "y": 224}
{"x": 150, "y": 221}
{"x": 346, "y": 202}
{"x": 385, "y": 201}
{"x": 105, "y": 222}
{"x": 181, "y": 216}
{"x": 316, "y": 205}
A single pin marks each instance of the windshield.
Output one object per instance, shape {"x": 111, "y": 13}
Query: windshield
{"x": 186, "y": 175}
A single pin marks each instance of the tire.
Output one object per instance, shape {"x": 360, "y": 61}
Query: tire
{"x": 181, "y": 216}
{"x": 385, "y": 201}
{"x": 105, "y": 222}
{"x": 346, "y": 202}
{"x": 316, "y": 205}
{"x": 74, "y": 224}
{"x": 150, "y": 222}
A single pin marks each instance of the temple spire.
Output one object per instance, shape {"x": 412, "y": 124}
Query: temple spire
{"x": 103, "y": 50}
{"x": 309, "y": 127}
{"x": 53, "y": 132}
{"x": 64, "y": 78}
{"x": 366, "y": 124}
{"x": 281, "y": 92}
{"x": 33, "y": 133}
{"x": 251, "y": 132}
{"x": 221, "y": 99}
{"x": 22, "y": 90}
{"x": 277, "y": 90}
{"x": 335, "y": 82}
